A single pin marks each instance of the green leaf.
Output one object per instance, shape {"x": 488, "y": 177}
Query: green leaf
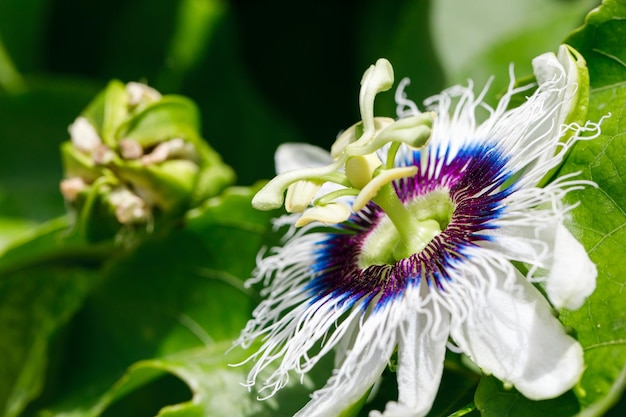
{"x": 108, "y": 110}
{"x": 51, "y": 241}
{"x": 214, "y": 382}
{"x": 599, "y": 219}
{"x": 598, "y": 223}
{"x": 11, "y": 230}
{"x": 601, "y": 41}
{"x": 10, "y": 79}
{"x": 34, "y": 303}
{"x": 177, "y": 292}
{"x": 493, "y": 400}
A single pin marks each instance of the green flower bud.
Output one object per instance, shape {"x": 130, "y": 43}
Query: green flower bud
{"x": 136, "y": 158}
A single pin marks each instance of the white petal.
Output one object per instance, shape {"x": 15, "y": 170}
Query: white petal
{"x": 530, "y": 133}
{"x": 524, "y": 235}
{"x": 290, "y": 156}
{"x": 531, "y": 244}
{"x": 338, "y": 399}
{"x": 561, "y": 67}
{"x": 421, "y": 352}
{"x": 547, "y": 67}
{"x": 512, "y": 334}
{"x": 572, "y": 276}
{"x": 361, "y": 368}
{"x": 365, "y": 354}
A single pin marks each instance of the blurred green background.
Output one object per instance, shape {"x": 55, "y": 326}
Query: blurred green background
{"x": 263, "y": 72}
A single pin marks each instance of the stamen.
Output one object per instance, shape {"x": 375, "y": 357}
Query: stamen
{"x": 356, "y": 165}
{"x": 332, "y": 213}
{"x": 360, "y": 169}
{"x": 299, "y": 195}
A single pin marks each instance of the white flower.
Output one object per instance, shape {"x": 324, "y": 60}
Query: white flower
{"x": 426, "y": 255}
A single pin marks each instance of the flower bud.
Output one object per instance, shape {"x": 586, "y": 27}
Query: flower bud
{"x": 136, "y": 157}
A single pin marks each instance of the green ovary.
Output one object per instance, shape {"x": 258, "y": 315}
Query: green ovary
{"x": 428, "y": 216}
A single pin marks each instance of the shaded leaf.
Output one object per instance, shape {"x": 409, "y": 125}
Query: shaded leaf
{"x": 34, "y": 303}
{"x": 196, "y": 22}
{"x": 601, "y": 41}
{"x": 24, "y": 46}
{"x": 214, "y": 382}
{"x": 182, "y": 290}
{"x": 493, "y": 400}
{"x": 11, "y": 230}
{"x": 51, "y": 241}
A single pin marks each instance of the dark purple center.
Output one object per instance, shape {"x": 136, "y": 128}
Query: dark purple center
{"x": 474, "y": 181}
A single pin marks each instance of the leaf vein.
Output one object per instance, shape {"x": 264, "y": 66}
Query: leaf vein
{"x": 610, "y": 56}
{"x": 617, "y": 342}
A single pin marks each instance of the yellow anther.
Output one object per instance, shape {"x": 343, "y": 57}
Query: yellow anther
{"x": 360, "y": 169}
{"x": 383, "y": 178}
{"x": 299, "y": 195}
{"x": 332, "y": 213}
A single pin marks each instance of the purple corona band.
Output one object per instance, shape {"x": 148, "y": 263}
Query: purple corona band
{"x": 473, "y": 179}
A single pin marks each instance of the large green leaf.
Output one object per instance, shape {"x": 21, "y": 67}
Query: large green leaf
{"x": 45, "y": 275}
{"x": 493, "y": 400}
{"x": 599, "y": 223}
{"x": 600, "y": 219}
{"x": 601, "y": 41}
{"x": 215, "y": 380}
